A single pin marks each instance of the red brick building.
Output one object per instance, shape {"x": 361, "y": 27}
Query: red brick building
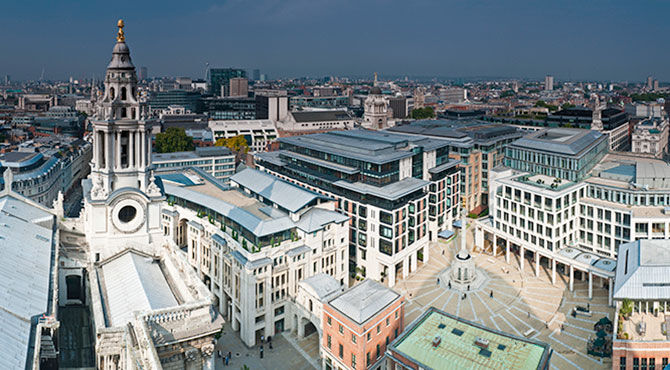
{"x": 640, "y": 355}
{"x": 359, "y": 324}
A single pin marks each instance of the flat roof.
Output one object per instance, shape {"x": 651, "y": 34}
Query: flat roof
{"x": 458, "y": 349}
{"x": 566, "y": 141}
{"x": 364, "y": 300}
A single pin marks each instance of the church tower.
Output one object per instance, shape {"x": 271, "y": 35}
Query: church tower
{"x": 376, "y": 109}
{"x": 122, "y": 201}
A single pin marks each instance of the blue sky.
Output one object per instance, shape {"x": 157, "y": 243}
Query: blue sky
{"x": 588, "y": 39}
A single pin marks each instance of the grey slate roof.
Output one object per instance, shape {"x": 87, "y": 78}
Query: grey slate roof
{"x": 566, "y": 141}
{"x": 391, "y": 191}
{"x": 643, "y": 271}
{"x": 316, "y": 218}
{"x": 278, "y": 191}
{"x": 364, "y": 300}
{"x": 365, "y": 145}
{"x": 322, "y": 284}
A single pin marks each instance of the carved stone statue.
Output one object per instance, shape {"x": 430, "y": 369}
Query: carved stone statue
{"x": 9, "y": 178}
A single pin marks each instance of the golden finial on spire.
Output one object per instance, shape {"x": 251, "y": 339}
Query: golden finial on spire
{"x": 120, "y": 37}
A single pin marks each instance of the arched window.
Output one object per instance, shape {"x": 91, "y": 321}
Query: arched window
{"x": 310, "y": 305}
{"x": 123, "y": 94}
{"x": 112, "y": 93}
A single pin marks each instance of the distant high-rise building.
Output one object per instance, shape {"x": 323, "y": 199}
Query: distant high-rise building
{"x": 7, "y": 79}
{"x": 650, "y": 82}
{"x": 263, "y": 77}
{"x": 453, "y": 94}
{"x": 548, "y": 83}
{"x": 257, "y": 74}
{"x": 655, "y": 85}
{"x": 143, "y": 73}
{"x": 219, "y": 77}
{"x": 239, "y": 86}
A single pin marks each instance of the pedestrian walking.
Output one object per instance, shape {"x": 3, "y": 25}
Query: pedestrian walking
{"x": 261, "y": 351}
{"x": 438, "y": 281}
{"x": 491, "y": 294}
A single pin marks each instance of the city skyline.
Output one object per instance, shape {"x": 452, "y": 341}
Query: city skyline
{"x": 571, "y": 41}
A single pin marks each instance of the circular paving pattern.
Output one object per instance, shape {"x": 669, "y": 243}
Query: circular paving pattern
{"x": 512, "y": 301}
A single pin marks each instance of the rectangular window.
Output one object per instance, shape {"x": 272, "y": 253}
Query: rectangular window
{"x": 341, "y": 329}
{"x": 353, "y": 361}
{"x": 353, "y": 338}
{"x": 328, "y": 341}
{"x": 328, "y": 320}
{"x": 341, "y": 351}
{"x": 379, "y": 328}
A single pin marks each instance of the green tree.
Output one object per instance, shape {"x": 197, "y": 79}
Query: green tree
{"x": 237, "y": 143}
{"x": 174, "y": 139}
{"x": 423, "y": 113}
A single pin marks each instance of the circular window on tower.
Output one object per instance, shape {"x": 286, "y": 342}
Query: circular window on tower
{"x": 127, "y": 213}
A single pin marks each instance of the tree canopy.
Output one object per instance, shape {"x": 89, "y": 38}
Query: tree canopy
{"x": 236, "y": 143}
{"x": 542, "y": 103}
{"x": 174, "y": 139}
{"x": 423, "y": 113}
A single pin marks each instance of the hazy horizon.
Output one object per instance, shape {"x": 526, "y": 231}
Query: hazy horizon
{"x": 596, "y": 41}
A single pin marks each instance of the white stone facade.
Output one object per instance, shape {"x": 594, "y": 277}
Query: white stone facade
{"x": 651, "y": 137}
{"x": 258, "y": 133}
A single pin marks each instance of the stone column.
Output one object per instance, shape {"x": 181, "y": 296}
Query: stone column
{"x": 609, "y": 291}
{"x": 507, "y": 251}
{"x": 590, "y": 285}
{"x": 413, "y": 262}
{"x": 523, "y": 258}
{"x": 537, "y": 264}
{"x": 572, "y": 275}
{"x": 391, "y": 276}
{"x": 143, "y": 146}
{"x": 131, "y": 149}
{"x": 117, "y": 154}
{"x": 106, "y": 149}
{"x": 553, "y": 271}
{"x": 405, "y": 267}
{"x": 495, "y": 244}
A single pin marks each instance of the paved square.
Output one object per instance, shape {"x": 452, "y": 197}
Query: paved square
{"x": 522, "y": 304}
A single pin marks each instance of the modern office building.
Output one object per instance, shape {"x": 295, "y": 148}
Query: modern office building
{"x": 239, "y": 87}
{"x": 329, "y": 102}
{"x": 314, "y": 121}
{"x": 399, "y": 191}
{"x": 359, "y": 324}
{"x": 548, "y": 83}
{"x": 217, "y": 161}
{"x": 478, "y": 146}
{"x": 402, "y": 106}
{"x": 650, "y": 136}
{"x": 642, "y": 296}
{"x": 256, "y": 75}
{"x": 272, "y": 105}
{"x": 229, "y": 108}
{"x": 219, "y": 79}
{"x": 161, "y": 100}
{"x": 557, "y": 152}
{"x": 453, "y": 94}
{"x": 253, "y": 243}
{"x": 645, "y": 110}
{"x": 437, "y": 338}
{"x": 258, "y": 133}
{"x": 610, "y": 121}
